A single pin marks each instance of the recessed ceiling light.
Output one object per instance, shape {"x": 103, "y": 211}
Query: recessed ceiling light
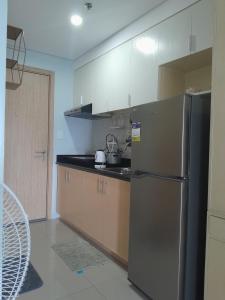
{"x": 76, "y": 20}
{"x": 146, "y": 45}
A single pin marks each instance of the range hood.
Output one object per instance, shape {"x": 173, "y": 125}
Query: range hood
{"x": 85, "y": 112}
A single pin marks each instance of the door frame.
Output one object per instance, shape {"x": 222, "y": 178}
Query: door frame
{"x": 51, "y": 76}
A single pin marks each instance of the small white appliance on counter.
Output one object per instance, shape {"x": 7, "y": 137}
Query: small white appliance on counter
{"x": 100, "y": 159}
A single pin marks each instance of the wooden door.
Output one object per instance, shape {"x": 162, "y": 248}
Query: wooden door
{"x": 116, "y": 208}
{"x": 26, "y": 143}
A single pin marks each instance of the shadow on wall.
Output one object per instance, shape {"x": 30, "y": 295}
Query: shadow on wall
{"x": 80, "y": 132}
{"x": 119, "y": 125}
{"x": 90, "y": 135}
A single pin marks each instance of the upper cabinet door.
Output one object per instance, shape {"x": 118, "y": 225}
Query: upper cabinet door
{"x": 144, "y": 68}
{"x": 174, "y": 37}
{"x": 77, "y": 88}
{"x": 118, "y": 74}
{"x": 202, "y": 25}
{"x": 112, "y": 80}
{"x": 84, "y": 85}
{"x": 100, "y": 86}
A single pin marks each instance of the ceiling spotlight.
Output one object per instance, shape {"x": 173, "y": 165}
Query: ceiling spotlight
{"x": 76, "y": 20}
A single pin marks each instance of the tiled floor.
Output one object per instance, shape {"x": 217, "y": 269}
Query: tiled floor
{"x": 108, "y": 282}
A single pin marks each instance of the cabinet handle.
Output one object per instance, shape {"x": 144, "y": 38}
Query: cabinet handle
{"x": 102, "y": 186}
{"x": 104, "y": 183}
{"x": 65, "y": 176}
{"x": 98, "y": 186}
{"x": 68, "y": 176}
{"x": 129, "y": 100}
{"x": 192, "y": 43}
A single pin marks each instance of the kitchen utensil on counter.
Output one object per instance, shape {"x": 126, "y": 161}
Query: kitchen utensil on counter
{"x": 113, "y": 158}
{"x": 100, "y": 159}
{"x": 112, "y": 144}
{"x": 113, "y": 153}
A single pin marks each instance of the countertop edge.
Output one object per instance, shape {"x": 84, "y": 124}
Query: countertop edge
{"x": 94, "y": 171}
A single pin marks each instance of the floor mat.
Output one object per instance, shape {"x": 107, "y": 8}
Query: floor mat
{"x": 32, "y": 281}
{"x": 79, "y": 255}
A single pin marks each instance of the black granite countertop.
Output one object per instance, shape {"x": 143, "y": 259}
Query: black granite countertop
{"x": 86, "y": 163}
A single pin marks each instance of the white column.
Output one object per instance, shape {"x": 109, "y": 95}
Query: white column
{"x": 3, "y": 30}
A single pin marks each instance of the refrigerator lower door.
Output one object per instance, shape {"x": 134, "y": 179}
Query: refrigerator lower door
{"x": 157, "y": 225}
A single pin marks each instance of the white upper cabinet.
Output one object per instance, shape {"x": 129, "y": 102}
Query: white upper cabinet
{"x": 113, "y": 80}
{"x": 118, "y": 73}
{"x": 128, "y": 75}
{"x": 100, "y": 83}
{"x": 84, "y": 85}
{"x": 174, "y": 37}
{"x": 77, "y": 88}
{"x": 144, "y": 68}
{"x": 105, "y": 82}
{"x": 202, "y": 25}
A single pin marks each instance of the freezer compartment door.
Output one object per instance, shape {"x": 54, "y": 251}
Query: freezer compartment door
{"x": 157, "y": 225}
{"x": 164, "y": 137}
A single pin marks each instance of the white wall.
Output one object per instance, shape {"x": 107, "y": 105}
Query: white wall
{"x": 154, "y": 17}
{"x": 71, "y": 136}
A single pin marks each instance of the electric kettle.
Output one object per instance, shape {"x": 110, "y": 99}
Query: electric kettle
{"x": 100, "y": 159}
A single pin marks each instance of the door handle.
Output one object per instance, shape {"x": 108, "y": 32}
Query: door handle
{"x": 141, "y": 174}
{"x": 40, "y": 154}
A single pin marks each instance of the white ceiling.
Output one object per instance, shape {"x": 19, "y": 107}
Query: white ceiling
{"x": 47, "y": 22}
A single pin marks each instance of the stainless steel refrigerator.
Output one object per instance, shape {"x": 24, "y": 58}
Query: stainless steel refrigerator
{"x": 170, "y": 154}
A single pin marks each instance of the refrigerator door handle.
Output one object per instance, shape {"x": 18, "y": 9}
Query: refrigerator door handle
{"x": 138, "y": 174}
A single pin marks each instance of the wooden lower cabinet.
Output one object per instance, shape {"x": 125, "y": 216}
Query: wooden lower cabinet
{"x": 98, "y": 206}
{"x": 215, "y": 260}
{"x": 116, "y": 207}
{"x": 93, "y": 224}
{"x": 70, "y": 196}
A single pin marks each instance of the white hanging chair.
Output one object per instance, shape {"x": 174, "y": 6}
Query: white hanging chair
{"x": 15, "y": 244}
